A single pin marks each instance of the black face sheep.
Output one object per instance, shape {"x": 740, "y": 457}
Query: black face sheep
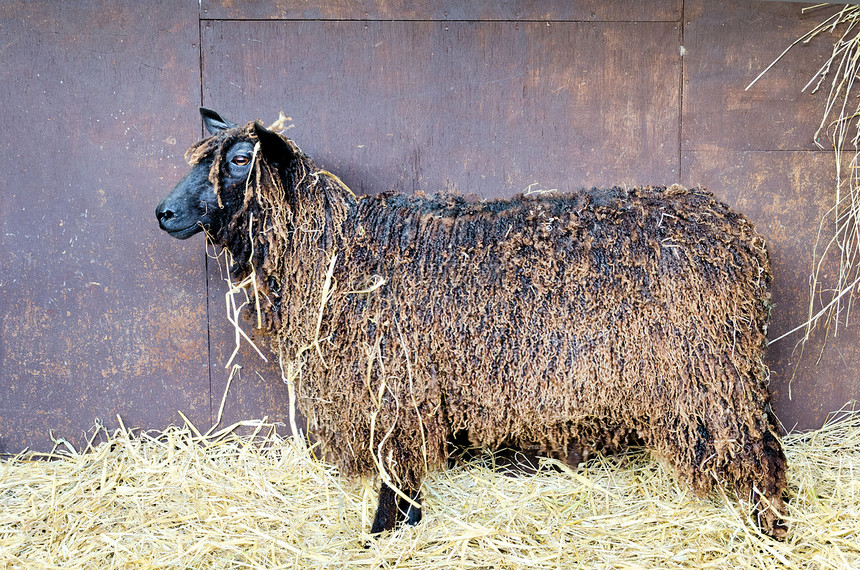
{"x": 568, "y": 323}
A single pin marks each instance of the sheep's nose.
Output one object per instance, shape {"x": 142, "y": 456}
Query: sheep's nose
{"x": 164, "y": 214}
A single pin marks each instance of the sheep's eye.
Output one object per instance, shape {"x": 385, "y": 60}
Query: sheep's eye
{"x": 240, "y": 160}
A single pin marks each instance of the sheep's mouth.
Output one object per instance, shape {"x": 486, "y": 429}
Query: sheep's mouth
{"x": 185, "y": 233}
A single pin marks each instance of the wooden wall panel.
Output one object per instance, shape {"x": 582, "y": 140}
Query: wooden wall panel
{"x": 784, "y": 193}
{"x": 483, "y": 10}
{"x": 742, "y": 144}
{"x": 485, "y": 108}
{"x": 727, "y": 45}
{"x": 100, "y": 314}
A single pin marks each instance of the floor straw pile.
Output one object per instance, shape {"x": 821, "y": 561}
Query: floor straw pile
{"x": 186, "y": 500}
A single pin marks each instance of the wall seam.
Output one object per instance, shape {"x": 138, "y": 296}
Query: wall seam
{"x": 206, "y": 246}
{"x": 681, "y": 97}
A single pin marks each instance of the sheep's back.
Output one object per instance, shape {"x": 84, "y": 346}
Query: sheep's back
{"x": 529, "y": 321}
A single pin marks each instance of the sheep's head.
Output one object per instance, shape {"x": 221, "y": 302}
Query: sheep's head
{"x": 214, "y": 190}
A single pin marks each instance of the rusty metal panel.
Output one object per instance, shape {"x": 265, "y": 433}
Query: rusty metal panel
{"x": 99, "y": 314}
{"x": 483, "y": 10}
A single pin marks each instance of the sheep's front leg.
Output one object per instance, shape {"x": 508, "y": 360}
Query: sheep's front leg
{"x": 392, "y": 510}
{"x": 409, "y": 513}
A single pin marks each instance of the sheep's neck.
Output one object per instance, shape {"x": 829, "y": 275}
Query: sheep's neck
{"x": 294, "y": 241}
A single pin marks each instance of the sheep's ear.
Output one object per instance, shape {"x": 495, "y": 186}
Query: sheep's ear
{"x": 274, "y": 148}
{"x": 213, "y": 121}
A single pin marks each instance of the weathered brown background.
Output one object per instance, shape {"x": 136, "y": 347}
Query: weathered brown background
{"x": 103, "y": 315}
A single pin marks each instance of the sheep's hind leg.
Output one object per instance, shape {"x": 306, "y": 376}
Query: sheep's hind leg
{"x": 769, "y": 466}
{"x": 392, "y": 510}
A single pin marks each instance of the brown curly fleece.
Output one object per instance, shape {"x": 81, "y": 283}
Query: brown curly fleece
{"x": 571, "y": 323}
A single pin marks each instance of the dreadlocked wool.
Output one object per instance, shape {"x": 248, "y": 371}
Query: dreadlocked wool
{"x": 564, "y": 323}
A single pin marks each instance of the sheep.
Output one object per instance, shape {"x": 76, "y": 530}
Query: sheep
{"x": 574, "y": 323}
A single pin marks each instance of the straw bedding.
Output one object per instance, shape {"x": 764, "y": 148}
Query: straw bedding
{"x": 182, "y": 499}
